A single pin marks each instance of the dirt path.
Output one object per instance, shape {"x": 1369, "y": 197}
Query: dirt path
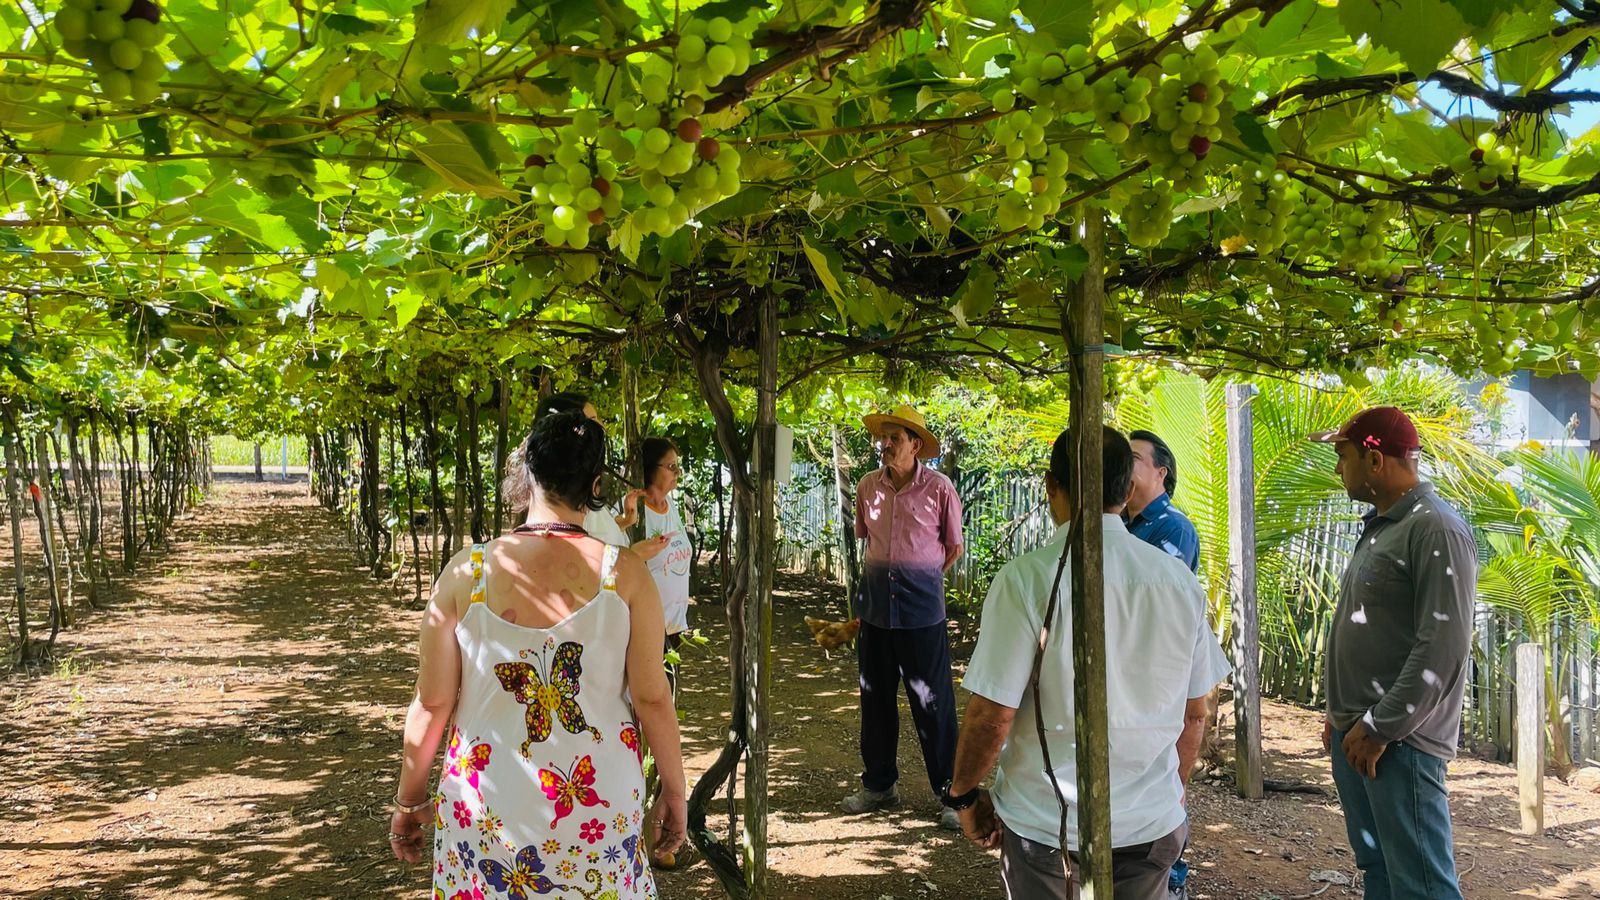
{"x": 229, "y": 727}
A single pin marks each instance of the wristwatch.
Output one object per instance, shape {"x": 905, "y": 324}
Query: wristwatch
{"x": 958, "y": 803}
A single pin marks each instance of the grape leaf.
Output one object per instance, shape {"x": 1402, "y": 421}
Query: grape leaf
{"x": 1399, "y": 26}
{"x": 1478, "y": 13}
{"x": 1251, "y": 134}
{"x": 153, "y": 133}
{"x": 405, "y": 302}
{"x": 1301, "y": 28}
{"x": 238, "y": 209}
{"x": 733, "y": 10}
{"x": 626, "y": 238}
{"x": 448, "y": 21}
{"x": 747, "y": 202}
{"x": 977, "y": 295}
{"x": 334, "y": 83}
{"x": 1067, "y": 21}
{"x": 990, "y": 10}
{"x": 830, "y": 268}
{"x": 348, "y": 24}
{"x": 442, "y": 148}
{"x": 841, "y": 182}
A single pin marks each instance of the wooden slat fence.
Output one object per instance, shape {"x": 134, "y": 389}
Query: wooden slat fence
{"x": 1005, "y": 515}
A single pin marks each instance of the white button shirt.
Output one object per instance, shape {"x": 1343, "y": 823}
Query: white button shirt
{"x": 1160, "y": 653}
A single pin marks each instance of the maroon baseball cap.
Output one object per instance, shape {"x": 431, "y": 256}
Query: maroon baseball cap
{"x": 1382, "y": 428}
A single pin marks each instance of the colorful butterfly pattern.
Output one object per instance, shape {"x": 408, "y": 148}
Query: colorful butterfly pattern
{"x": 635, "y": 858}
{"x": 570, "y": 788}
{"x": 564, "y": 817}
{"x": 555, "y": 690}
{"x": 525, "y": 874}
{"x": 469, "y": 766}
{"x": 630, "y": 739}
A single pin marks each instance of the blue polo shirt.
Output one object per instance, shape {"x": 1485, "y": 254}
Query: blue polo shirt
{"x": 1165, "y": 527}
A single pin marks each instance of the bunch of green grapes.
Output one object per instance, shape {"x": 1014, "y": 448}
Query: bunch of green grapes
{"x": 662, "y": 146}
{"x": 1021, "y": 133}
{"x": 671, "y": 205}
{"x": 1147, "y": 214}
{"x": 1055, "y": 81}
{"x": 1397, "y": 316}
{"x": 708, "y": 51}
{"x": 640, "y": 154}
{"x": 1071, "y": 92}
{"x": 1265, "y": 205}
{"x": 119, "y": 38}
{"x": 1184, "y": 114}
{"x": 1310, "y": 224}
{"x": 1482, "y": 167}
{"x": 1049, "y": 87}
{"x": 1121, "y": 101}
{"x": 1035, "y": 194}
{"x": 1361, "y": 234}
{"x": 650, "y": 164}
{"x": 570, "y": 190}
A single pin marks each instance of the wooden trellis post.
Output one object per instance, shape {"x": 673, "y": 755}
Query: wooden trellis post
{"x": 758, "y": 609}
{"x": 15, "y": 477}
{"x": 47, "y": 539}
{"x": 1085, "y": 334}
{"x": 1246, "y": 642}
{"x": 1530, "y": 737}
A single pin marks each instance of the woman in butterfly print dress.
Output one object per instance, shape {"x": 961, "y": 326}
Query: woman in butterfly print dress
{"x": 541, "y": 793}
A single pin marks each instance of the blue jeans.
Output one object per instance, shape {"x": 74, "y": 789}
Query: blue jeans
{"x": 1399, "y": 824}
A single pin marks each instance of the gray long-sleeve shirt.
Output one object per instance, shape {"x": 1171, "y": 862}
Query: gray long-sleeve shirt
{"x": 1398, "y": 649}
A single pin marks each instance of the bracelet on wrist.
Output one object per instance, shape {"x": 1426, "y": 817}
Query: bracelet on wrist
{"x": 959, "y": 801}
{"x": 408, "y": 809}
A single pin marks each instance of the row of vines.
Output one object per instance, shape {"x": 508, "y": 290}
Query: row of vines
{"x": 57, "y": 468}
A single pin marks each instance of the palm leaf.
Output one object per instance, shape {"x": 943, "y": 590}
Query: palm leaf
{"x": 1537, "y": 587}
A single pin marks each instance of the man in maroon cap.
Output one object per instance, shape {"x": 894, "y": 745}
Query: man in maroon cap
{"x": 1397, "y": 656}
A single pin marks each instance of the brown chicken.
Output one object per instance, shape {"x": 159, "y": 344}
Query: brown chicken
{"x": 832, "y": 635}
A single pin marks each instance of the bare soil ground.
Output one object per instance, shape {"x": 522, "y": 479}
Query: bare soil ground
{"x": 228, "y": 726}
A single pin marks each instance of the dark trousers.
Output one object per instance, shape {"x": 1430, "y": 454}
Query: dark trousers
{"x": 1032, "y": 871}
{"x": 920, "y": 659}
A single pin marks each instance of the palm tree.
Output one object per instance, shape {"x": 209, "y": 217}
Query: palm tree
{"x": 1537, "y": 513}
{"x": 1305, "y": 525}
{"x": 1546, "y": 567}
{"x": 1540, "y": 590}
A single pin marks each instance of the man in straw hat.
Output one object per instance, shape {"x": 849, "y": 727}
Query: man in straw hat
{"x": 1397, "y": 660}
{"x": 911, "y": 519}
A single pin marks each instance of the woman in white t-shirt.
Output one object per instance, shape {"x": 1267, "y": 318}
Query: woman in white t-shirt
{"x": 664, "y": 524}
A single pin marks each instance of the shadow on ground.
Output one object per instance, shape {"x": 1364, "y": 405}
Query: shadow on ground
{"x": 228, "y": 727}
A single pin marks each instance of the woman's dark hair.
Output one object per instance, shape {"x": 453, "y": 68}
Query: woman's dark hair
{"x": 565, "y": 455}
{"x": 1161, "y": 456}
{"x": 1116, "y": 460}
{"x": 651, "y": 451}
{"x": 565, "y": 401}
{"x": 517, "y": 487}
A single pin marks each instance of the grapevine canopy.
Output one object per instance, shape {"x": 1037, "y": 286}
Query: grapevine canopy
{"x": 327, "y": 200}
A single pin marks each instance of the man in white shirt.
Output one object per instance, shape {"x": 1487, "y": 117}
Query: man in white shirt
{"x": 1161, "y": 662}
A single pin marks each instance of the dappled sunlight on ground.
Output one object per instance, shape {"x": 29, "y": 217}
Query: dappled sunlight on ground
{"x": 228, "y": 727}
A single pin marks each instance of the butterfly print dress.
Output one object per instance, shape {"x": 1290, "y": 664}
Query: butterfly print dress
{"x": 542, "y": 791}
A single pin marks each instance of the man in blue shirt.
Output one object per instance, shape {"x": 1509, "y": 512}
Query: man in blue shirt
{"x": 1151, "y": 516}
{"x": 1153, "y": 519}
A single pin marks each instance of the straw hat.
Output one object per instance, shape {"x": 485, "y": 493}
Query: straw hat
{"x": 908, "y": 418}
